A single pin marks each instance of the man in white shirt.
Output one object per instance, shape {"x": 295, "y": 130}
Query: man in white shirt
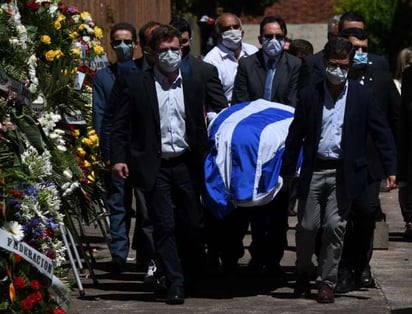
{"x": 229, "y": 50}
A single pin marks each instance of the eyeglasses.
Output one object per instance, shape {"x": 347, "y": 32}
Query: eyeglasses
{"x": 118, "y": 42}
{"x": 271, "y": 36}
{"x": 229, "y": 27}
{"x": 336, "y": 65}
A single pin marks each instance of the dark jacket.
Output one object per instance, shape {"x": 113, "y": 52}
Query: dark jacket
{"x": 251, "y": 77}
{"x": 136, "y": 135}
{"x": 362, "y": 115}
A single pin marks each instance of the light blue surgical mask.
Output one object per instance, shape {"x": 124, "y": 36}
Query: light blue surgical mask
{"x": 124, "y": 52}
{"x": 336, "y": 75}
{"x": 360, "y": 60}
{"x": 272, "y": 47}
{"x": 170, "y": 60}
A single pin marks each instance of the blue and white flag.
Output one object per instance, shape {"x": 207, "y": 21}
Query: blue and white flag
{"x": 242, "y": 167}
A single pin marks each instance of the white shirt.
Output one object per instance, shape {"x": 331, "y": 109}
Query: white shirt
{"x": 225, "y": 62}
{"x": 172, "y": 115}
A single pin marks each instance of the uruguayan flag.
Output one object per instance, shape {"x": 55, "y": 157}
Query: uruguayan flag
{"x": 242, "y": 167}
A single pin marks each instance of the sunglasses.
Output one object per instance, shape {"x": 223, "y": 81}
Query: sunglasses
{"x": 120, "y": 41}
{"x": 271, "y": 36}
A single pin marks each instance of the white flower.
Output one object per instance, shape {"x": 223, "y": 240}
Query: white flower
{"x": 61, "y": 148}
{"x": 86, "y": 39}
{"x": 68, "y": 173}
{"x": 15, "y": 229}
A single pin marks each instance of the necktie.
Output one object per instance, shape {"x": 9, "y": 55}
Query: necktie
{"x": 269, "y": 80}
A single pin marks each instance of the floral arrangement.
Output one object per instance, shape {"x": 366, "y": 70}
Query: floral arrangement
{"x": 48, "y": 159}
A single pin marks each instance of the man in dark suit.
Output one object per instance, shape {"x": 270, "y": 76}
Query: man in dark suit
{"x": 354, "y": 269}
{"x": 405, "y": 147}
{"x": 161, "y": 140}
{"x": 123, "y": 41}
{"x": 272, "y": 74}
{"x": 250, "y": 81}
{"x": 312, "y": 66}
{"x": 331, "y": 123}
{"x": 106, "y": 83}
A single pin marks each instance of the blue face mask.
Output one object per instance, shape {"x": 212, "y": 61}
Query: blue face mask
{"x": 124, "y": 52}
{"x": 360, "y": 60}
{"x": 272, "y": 47}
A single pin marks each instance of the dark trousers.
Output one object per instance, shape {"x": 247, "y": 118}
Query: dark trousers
{"x": 173, "y": 206}
{"x": 143, "y": 241}
{"x": 358, "y": 244}
{"x": 225, "y": 237}
{"x": 269, "y": 225}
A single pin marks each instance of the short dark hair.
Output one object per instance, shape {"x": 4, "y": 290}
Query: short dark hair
{"x": 301, "y": 48}
{"x": 339, "y": 48}
{"x": 273, "y": 19}
{"x": 123, "y": 26}
{"x": 163, "y": 33}
{"x": 182, "y": 25}
{"x": 350, "y": 16}
{"x": 144, "y": 34}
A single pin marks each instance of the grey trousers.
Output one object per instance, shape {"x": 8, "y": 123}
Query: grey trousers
{"x": 326, "y": 206}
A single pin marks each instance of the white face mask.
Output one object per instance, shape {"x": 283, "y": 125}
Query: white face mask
{"x": 336, "y": 75}
{"x": 169, "y": 61}
{"x": 232, "y": 39}
{"x": 272, "y": 47}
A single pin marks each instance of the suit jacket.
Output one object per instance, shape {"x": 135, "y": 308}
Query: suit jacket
{"x": 215, "y": 96}
{"x": 136, "y": 126}
{"x": 362, "y": 115}
{"x": 388, "y": 99}
{"x": 103, "y": 108}
{"x": 251, "y": 77}
{"x": 405, "y": 133}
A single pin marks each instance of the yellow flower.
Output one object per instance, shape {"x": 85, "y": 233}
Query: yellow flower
{"x": 85, "y": 16}
{"x": 73, "y": 35}
{"x": 98, "y": 32}
{"x": 87, "y": 142}
{"x": 81, "y": 152}
{"x": 76, "y": 52}
{"x": 58, "y": 54}
{"x": 50, "y": 55}
{"x": 45, "y": 39}
{"x": 76, "y": 133}
{"x": 91, "y": 132}
{"x": 60, "y": 18}
{"x": 82, "y": 27}
{"x": 86, "y": 164}
{"x": 57, "y": 25}
{"x": 98, "y": 50}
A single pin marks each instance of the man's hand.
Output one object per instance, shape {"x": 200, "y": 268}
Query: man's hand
{"x": 391, "y": 183}
{"x": 121, "y": 170}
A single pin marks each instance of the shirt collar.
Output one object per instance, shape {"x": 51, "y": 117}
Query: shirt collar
{"x": 227, "y": 53}
{"x": 164, "y": 81}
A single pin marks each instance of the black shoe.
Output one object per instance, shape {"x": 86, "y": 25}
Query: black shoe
{"x": 175, "y": 295}
{"x": 302, "y": 287}
{"x": 365, "y": 280}
{"x": 345, "y": 283}
{"x": 118, "y": 265}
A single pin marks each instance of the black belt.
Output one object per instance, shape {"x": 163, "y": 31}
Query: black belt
{"x": 325, "y": 164}
{"x": 173, "y": 161}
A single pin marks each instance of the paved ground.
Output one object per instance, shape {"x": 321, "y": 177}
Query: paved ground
{"x": 126, "y": 293}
